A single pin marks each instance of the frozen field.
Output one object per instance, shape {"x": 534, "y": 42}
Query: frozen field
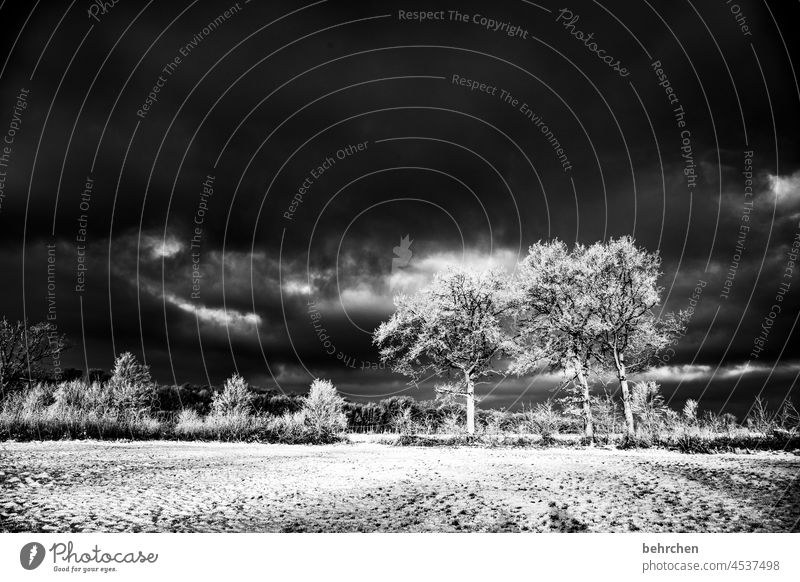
{"x": 202, "y": 487}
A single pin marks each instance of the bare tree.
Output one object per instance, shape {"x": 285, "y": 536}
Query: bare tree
{"x": 457, "y": 327}
{"x": 25, "y": 351}
{"x": 555, "y": 312}
{"x": 625, "y": 291}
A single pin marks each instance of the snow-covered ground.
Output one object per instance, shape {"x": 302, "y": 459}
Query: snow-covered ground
{"x": 172, "y": 486}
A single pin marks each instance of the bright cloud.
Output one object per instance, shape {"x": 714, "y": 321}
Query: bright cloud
{"x": 294, "y": 287}
{"x": 687, "y": 373}
{"x": 785, "y": 188}
{"x": 376, "y": 293}
{"x": 704, "y": 372}
{"x": 215, "y": 315}
{"x": 161, "y": 247}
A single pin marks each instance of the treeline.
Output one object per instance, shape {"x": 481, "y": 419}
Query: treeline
{"x": 129, "y": 404}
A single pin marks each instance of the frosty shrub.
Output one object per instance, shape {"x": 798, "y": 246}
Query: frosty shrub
{"x": 30, "y": 403}
{"x": 760, "y": 419}
{"x": 606, "y": 414}
{"x": 71, "y": 410}
{"x": 236, "y": 398}
{"x": 690, "y": 411}
{"x": 452, "y": 424}
{"x": 291, "y": 428}
{"x": 402, "y": 421}
{"x": 324, "y": 410}
{"x": 544, "y": 419}
{"x": 494, "y": 422}
{"x": 647, "y": 404}
{"x": 789, "y": 417}
{"x": 131, "y": 385}
{"x": 78, "y": 397}
{"x": 34, "y": 401}
{"x": 230, "y": 426}
{"x": 189, "y": 424}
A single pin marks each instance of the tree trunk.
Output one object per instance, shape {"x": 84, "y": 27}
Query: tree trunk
{"x": 587, "y": 406}
{"x": 626, "y": 397}
{"x": 470, "y": 393}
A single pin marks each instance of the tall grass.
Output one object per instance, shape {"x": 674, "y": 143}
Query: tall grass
{"x": 77, "y": 411}
{"x": 72, "y": 410}
{"x": 558, "y": 421}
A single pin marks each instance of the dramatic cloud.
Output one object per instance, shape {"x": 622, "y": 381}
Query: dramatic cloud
{"x": 289, "y": 180}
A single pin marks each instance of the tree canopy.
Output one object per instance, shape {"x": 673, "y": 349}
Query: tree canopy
{"x": 584, "y": 311}
{"x": 626, "y": 291}
{"x": 456, "y": 327}
{"x": 556, "y": 315}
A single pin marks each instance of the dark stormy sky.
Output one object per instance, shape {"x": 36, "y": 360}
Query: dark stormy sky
{"x": 676, "y": 122}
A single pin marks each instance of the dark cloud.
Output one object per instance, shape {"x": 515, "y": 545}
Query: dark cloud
{"x": 268, "y": 110}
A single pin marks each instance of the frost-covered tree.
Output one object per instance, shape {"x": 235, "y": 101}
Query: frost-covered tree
{"x": 324, "y": 409}
{"x": 456, "y": 328}
{"x": 132, "y": 387}
{"x": 556, "y": 317}
{"x": 626, "y": 292}
{"x": 235, "y": 398}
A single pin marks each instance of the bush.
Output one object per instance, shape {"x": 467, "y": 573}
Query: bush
{"x": 324, "y": 411}
{"x": 492, "y": 422}
{"x": 788, "y": 418}
{"x": 31, "y": 402}
{"x": 317, "y": 423}
{"x": 134, "y": 391}
{"x": 647, "y": 405}
{"x": 190, "y": 425}
{"x": 690, "y": 411}
{"x": 692, "y": 443}
{"x": 544, "y": 419}
{"x": 231, "y": 417}
{"x": 235, "y": 398}
{"x": 607, "y": 416}
{"x": 402, "y": 421}
{"x": 453, "y": 423}
{"x": 78, "y": 396}
{"x": 291, "y": 428}
{"x": 760, "y": 419}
